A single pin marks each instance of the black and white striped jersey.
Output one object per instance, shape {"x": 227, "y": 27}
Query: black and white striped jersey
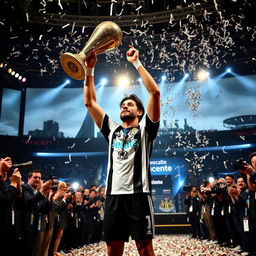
{"x": 128, "y": 158}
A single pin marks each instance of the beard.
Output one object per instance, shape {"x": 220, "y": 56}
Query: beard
{"x": 127, "y": 117}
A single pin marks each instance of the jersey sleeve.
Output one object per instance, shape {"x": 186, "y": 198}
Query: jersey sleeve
{"x": 151, "y": 127}
{"x": 107, "y": 126}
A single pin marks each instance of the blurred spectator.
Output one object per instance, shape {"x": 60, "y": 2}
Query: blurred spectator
{"x": 9, "y": 194}
{"x": 93, "y": 205}
{"x": 58, "y": 202}
{"x": 207, "y": 201}
{"x": 60, "y": 220}
{"x": 80, "y": 225}
{"x": 32, "y": 193}
{"x": 192, "y": 202}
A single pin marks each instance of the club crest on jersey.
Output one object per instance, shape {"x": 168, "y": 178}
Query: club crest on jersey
{"x": 122, "y": 155}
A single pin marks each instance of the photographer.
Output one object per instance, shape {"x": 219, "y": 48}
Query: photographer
{"x": 206, "y": 201}
{"x": 8, "y": 196}
{"x": 80, "y": 221}
{"x": 232, "y": 215}
{"x": 249, "y": 170}
{"x": 193, "y": 211}
{"x": 219, "y": 211}
{"x": 68, "y": 239}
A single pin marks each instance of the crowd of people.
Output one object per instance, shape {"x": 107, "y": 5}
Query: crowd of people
{"x": 224, "y": 210}
{"x": 41, "y": 218}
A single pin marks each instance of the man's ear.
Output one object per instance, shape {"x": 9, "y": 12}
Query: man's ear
{"x": 139, "y": 113}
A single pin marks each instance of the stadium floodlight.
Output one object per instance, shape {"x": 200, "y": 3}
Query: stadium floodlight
{"x": 75, "y": 185}
{"x": 211, "y": 179}
{"x": 123, "y": 81}
{"x": 164, "y": 77}
{"x": 104, "y": 81}
{"x": 202, "y": 75}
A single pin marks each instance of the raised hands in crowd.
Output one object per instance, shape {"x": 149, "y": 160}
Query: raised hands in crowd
{"x": 44, "y": 211}
{"x": 223, "y": 210}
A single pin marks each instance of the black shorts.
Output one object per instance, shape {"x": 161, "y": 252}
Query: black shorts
{"x": 128, "y": 215}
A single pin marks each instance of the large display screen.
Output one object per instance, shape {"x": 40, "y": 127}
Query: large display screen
{"x": 168, "y": 176}
{"x": 184, "y": 105}
{"x": 10, "y": 112}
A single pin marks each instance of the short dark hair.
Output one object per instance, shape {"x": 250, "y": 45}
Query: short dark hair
{"x": 30, "y": 174}
{"x": 135, "y": 98}
{"x": 229, "y": 175}
{"x": 241, "y": 177}
{"x": 252, "y": 155}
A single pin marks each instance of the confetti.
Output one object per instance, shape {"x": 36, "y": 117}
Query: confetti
{"x": 27, "y": 17}
{"x": 65, "y": 25}
{"x": 29, "y": 138}
{"x": 60, "y": 5}
{"x": 175, "y": 245}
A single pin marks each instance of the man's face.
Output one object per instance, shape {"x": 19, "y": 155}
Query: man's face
{"x": 222, "y": 182}
{"x": 92, "y": 195}
{"x": 35, "y": 180}
{"x": 129, "y": 110}
{"x": 253, "y": 162}
{"x": 193, "y": 192}
{"x": 240, "y": 183}
{"x": 79, "y": 197}
{"x": 80, "y": 188}
{"x": 86, "y": 191}
{"x": 229, "y": 181}
{"x": 102, "y": 191}
{"x": 62, "y": 189}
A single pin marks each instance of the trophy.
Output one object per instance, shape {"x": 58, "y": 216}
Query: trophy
{"x": 105, "y": 37}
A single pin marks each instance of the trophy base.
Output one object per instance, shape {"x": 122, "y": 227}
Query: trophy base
{"x": 73, "y": 65}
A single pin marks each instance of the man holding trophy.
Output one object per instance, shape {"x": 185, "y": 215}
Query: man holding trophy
{"x": 129, "y": 208}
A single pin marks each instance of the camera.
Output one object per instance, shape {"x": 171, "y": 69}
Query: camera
{"x": 219, "y": 188}
{"x": 55, "y": 183}
{"x": 240, "y": 164}
{"x": 20, "y": 166}
{"x": 72, "y": 191}
{"x": 86, "y": 197}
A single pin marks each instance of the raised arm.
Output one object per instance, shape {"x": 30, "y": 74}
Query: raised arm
{"x": 250, "y": 176}
{"x": 153, "y": 107}
{"x": 96, "y": 112}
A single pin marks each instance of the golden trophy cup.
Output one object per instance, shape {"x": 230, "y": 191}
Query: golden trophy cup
{"x": 105, "y": 37}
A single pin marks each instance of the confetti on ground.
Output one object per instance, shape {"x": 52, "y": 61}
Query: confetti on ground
{"x": 164, "y": 245}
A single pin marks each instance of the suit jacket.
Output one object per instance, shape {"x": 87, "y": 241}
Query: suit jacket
{"x": 8, "y": 220}
{"x": 28, "y": 213}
